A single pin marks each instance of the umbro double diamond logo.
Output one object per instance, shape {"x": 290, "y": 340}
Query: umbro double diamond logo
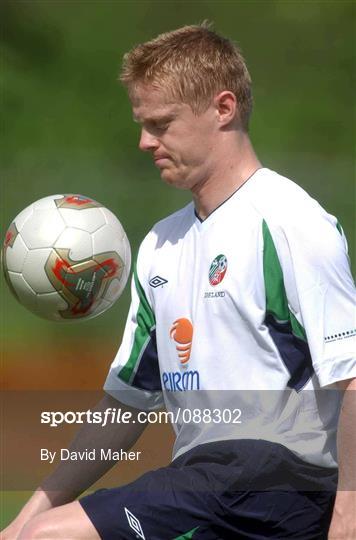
{"x": 157, "y": 281}
{"x": 134, "y": 524}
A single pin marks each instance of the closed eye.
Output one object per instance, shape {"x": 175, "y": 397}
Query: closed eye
{"x": 161, "y": 127}
{"x": 158, "y": 124}
{"x": 156, "y": 127}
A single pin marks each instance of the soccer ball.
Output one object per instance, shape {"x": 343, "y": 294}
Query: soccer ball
{"x": 66, "y": 257}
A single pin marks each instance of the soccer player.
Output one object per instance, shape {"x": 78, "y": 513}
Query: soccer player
{"x": 242, "y": 313}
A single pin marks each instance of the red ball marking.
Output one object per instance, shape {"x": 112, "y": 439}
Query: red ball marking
{"x": 77, "y": 201}
{"x": 9, "y": 236}
{"x": 59, "y": 270}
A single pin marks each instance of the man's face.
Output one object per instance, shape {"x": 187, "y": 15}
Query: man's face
{"x": 181, "y": 143}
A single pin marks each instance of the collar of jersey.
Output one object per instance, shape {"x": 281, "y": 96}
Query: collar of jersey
{"x": 213, "y": 214}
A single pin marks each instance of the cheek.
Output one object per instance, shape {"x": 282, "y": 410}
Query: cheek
{"x": 197, "y": 152}
{"x": 191, "y": 146}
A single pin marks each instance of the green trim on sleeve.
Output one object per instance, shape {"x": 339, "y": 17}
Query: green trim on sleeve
{"x": 145, "y": 324}
{"x": 339, "y": 228}
{"x": 276, "y": 297}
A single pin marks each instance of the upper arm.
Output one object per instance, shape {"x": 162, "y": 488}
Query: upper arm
{"x": 319, "y": 289}
{"x": 134, "y": 376}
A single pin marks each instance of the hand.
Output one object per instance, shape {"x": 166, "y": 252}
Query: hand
{"x": 12, "y": 531}
{"x": 39, "y": 502}
{"x": 339, "y": 530}
{"x": 343, "y": 523}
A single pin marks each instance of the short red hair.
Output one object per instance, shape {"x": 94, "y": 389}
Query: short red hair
{"x": 192, "y": 64}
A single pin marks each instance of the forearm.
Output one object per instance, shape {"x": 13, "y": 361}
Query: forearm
{"x": 346, "y": 440}
{"x": 343, "y": 519}
{"x": 71, "y": 478}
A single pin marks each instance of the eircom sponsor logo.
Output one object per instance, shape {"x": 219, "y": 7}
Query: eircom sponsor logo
{"x": 182, "y": 333}
{"x": 174, "y": 381}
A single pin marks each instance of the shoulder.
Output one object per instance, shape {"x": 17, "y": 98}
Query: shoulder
{"x": 166, "y": 231}
{"x": 297, "y": 225}
{"x": 277, "y": 197}
{"x": 287, "y": 208}
{"x": 169, "y": 229}
{"x": 174, "y": 222}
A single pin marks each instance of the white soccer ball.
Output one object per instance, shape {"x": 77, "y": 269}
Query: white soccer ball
{"x": 66, "y": 257}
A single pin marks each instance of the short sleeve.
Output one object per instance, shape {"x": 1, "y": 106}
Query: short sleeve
{"x": 134, "y": 376}
{"x": 320, "y": 292}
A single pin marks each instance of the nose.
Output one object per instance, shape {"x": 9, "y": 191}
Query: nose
{"x": 147, "y": 141}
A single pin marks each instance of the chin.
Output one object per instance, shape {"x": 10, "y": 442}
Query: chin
{"x": 174, "y": 180}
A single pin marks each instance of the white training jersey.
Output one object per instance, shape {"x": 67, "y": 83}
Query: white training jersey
{"x": 245, "y": 317}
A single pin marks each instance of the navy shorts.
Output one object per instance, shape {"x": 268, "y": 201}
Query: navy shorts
{"x": 238, "y": 490}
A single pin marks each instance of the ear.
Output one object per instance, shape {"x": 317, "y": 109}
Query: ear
{"x": 225, "y": 105}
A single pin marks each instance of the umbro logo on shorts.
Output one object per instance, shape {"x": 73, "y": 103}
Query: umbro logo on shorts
{"x": 157, "y": 281}
{"x": 134, "y": 524}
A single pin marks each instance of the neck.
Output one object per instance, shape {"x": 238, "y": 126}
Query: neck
{"x": 236, "y": 162}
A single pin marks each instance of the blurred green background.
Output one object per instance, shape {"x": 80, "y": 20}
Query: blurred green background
{"x": 67, "y": 124}
{"x": 67, "y": 128}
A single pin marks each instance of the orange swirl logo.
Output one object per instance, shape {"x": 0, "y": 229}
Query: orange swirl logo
{"x": 182, "y": 333}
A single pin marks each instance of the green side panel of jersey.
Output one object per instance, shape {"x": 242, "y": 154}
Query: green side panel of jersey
{"x": 297, "y": 328}
{"x": 187, "y": 535}
{"x": 276, "y": 297}
{"x": 145, "y": 323}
